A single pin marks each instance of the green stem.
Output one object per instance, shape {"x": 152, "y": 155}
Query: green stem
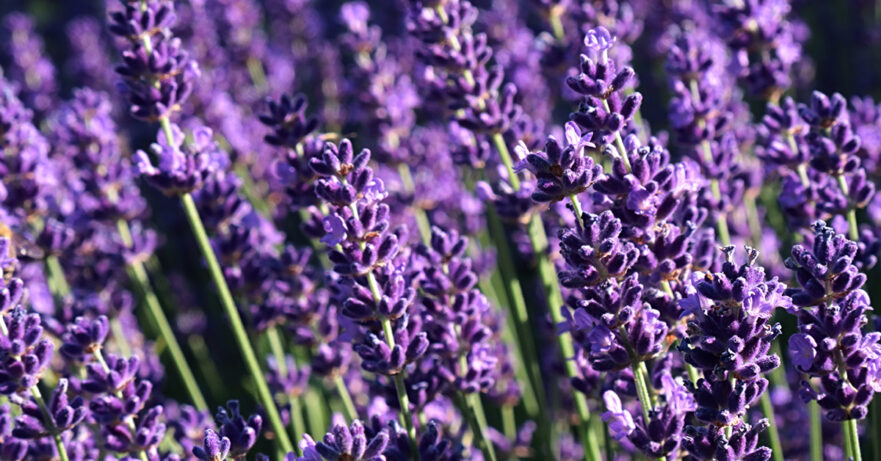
{"x": 421, "y": 218}
{"x": 138, "y": 275}
{"x": 343, "y": 392}
{"x": 853, "y": 228}
{"x": 773, "y": 433}
{"x": 238, "y": 327}
{"x": 816, "y": 431}
{"x": 59, "y": 444}
{"x": 56, "y": 277}
{"x": 277, "y": 348}
{"x": 518, "y": 311}
{"x": 619, "y": 142}
{"x": 119, "y": 336}
{"x": 642, "y": 392}
{"x": 472, "y": 409}
{"x": 400, "y": 388}
{"x": 499, "y": 141}
{"x": 852, "y": 439}
{"x": 551, "y": 286}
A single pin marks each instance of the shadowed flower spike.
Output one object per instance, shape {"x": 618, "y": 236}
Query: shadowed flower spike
{"x": 240, "y": 432}
{"x": 213, "y": 448}
{"x": 352, "y": 443}
{"x": 182, "y": 166}
{"x": 64, "y": 414}
{"x": 24, "y": 353}
{"x": 561, "y": 171}
{"x": 84, "y": 337}
{"x": 830, "y": 344}
{"x": 288, "y": 122}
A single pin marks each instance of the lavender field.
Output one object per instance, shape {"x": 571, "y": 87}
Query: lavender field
{"x": 437, "y": 230}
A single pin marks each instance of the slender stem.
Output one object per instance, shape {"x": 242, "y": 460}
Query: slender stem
{"x": 852, "y": 439}
{"x": 853, "y": 228}
{"x": 410, "y": 187}
{"x": 576, "y": 206}
{"x": 138, "y": 275}
{"x": 297, "y": 423}
{"x": 238, "y": 327}
{"x": 50, "y": 423}
{"x": 518, "y": 310}
{"x": 773, "y": 433}
{"x": 400, "y": 388}
{"x": 642, "y": 393}
{"x": 277, "y": 348}
{"x": 468, "y": 406}
{"x": 499, "y": 141}
{"x": 816, "y": 431}
{"x": 56, "y": 276}
{"x": 509, "y": 422}
{"x": 207, "y": 369}
{"x": 622, "y": 151}
{"x": 343, "y": 392}
{"x": 119, "y": 336}
{"x": 551, "y": 285}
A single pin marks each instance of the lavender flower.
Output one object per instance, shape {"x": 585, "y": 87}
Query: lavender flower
{"x": 182, "y": 167}
{"x": 158, "y": 73}
{"x": 830, "y": 344}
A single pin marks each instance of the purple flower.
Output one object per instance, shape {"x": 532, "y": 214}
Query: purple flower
{"x": 802, "y": 350}
{"x": 158, "y": 73}
{"x": 619, "y": 420}
{"x": 240, "y": 432}
{"x": 352, "y": 443}
{"x": 213, "y": 447}
{"x": 182, "y": 168}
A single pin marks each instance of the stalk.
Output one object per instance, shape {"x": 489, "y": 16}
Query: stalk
{"x": 519, "y": 312}
{"x": 469, "y": 409}
{"x": 59, "y": 444}
{"x": 853, "y": 228}
{"x": 642, "y": 393}
{"x": 421, "y": 218}
{"x": 816, "y": 431}
{"x": 551, "y": 285}
{"x": 851, "y": 439}
{"x": 138, "y": 275}
{"x": 229, "y": 307}
{"x": 773, "y": 433}
{"x": 722, "y": 221}
{"x": 400, "y": 388}
{"x": 343, "y": 391}
{"x": 296, "y": 410}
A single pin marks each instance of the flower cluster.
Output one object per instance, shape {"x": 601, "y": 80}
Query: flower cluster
{"x": 440, "y": 229}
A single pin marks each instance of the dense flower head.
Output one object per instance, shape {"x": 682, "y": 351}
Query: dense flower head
{"x": 288, "y": 122}
{"x": 240, "y": 432}
{"x": 64, "y": 413}
{"x": 561, "y": 171}
{"x": 157, "y": 70}
{"x": 766, "y": 44}
{"x": 183, "y": 165}
{"x": 24, "y": 165}
{"x": 827, "y": 270}
{"x": 830, "y": 344}
{"x": 351, "y": 443}
{"x": 458, "y": 318}
{"x": 24, "y": 352}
